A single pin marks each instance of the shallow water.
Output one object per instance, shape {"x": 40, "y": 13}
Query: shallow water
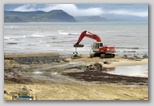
{"x": 137, "y": 70}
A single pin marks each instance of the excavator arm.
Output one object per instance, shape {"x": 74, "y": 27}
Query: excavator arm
{"x": 89, "y": 35}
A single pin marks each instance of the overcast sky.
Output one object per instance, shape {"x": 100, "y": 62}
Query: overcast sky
{"x": 140, "y": 10}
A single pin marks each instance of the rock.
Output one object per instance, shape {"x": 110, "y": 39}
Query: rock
{"x": 145, "y": 56}
{"x": 5, "y": 92}
{"x": 106, "y": 62}
{"x": 11, "y": 43}
{"x": 125, "y": 56}
{"x": 137, "y": 57}
{"x": 116, "y": 60}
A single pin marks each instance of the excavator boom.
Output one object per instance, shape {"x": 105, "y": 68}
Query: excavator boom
{"x": 90, "y": 35}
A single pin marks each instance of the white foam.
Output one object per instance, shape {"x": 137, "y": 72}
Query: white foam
{"x": 66, "y": 33}
{"x": 14, "y": 37}
{"x": 6, "y": 38}
{"x": 63, "y": 33}
{"x": 24, "y": 36}
{"x": 37, "y": 35}
{"x": 75, "y": 33}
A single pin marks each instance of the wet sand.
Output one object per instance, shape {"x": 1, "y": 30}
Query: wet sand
{"x": 57, "y": 79}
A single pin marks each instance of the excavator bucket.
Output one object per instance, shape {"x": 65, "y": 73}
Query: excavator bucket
{"x": 80, "y": 45}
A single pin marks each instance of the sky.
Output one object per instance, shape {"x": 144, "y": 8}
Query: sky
{"x": 139, "y": 10}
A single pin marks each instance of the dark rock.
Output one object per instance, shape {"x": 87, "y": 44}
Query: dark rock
{"x": 12, "y": 43}
{"x": 5, "y": 92}
{"x": 106, "y": 62}
{"x": 137, "y": 57}
{"x": 145, "y": 56}
{"x": 125, "y": 56}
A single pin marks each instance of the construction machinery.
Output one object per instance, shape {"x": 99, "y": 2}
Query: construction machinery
{"x": 98, "y": 48}
{"x": 23, "y": 94}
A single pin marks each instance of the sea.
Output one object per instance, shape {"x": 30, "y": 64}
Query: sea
{"x": 129, "y": 38}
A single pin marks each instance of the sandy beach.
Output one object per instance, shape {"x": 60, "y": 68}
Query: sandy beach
{"x": 57, "y": 78}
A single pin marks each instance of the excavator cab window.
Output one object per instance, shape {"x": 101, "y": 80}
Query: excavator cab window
{"x": 101, "y": 45}
{"x": 95, "y": 46}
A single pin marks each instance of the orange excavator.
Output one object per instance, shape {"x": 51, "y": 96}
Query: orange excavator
{"x": 98, "y": 47}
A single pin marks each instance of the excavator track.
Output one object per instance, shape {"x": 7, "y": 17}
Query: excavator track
{"x": 102, "y": 55}
{"x": 107, "y": 55}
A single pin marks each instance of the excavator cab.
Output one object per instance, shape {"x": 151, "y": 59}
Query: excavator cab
{"x": 96, "y": 46}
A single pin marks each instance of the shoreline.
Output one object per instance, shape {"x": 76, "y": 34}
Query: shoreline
{"x": 117, "y": 61}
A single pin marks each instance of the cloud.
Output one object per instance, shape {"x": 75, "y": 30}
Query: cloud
{"x": 69, "y": 8}
{"x": 129, "y": 12}
{"x": 73, "y": 10}
{"x": 26, "y": 7}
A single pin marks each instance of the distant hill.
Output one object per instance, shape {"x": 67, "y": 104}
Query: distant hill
{"x": 38, "y": 16}
{"x": 124, "y": 18}
{"x": 91, "y": 19}
{"x": 112, "y": 18}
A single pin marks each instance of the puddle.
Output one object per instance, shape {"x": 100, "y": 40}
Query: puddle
{"x": 138, "y": 70}
{"x": 37, "y": 72}
{"x": 40, "y": 73}
{"x": 54, "y": 73}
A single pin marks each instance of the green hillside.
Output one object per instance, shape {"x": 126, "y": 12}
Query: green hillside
{"x": 38, "y": 16}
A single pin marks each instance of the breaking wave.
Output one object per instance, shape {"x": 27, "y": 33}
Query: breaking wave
{"x": 37, "y": 35}
{"x": 61, "y": 32}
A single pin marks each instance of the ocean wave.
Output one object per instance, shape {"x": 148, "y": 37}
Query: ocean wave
{"x": 63, "y": 41}
{"x": 37, "y": 35}
{"x": 14, "y": 37}
{"x": 64, "y": 33}
{"x": 31, "y": 44}
{"x": 61, "y": 32}
{"x": 6, "y": 38}
{"x": 41, "y": 41}
{"x": 75, "y": 33}
{"x": 11, "y": 27}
